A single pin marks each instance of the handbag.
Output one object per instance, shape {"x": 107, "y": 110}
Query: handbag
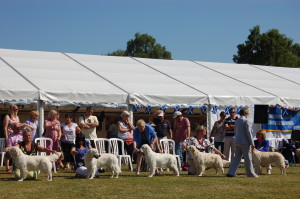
{"x": 128, "y": 141}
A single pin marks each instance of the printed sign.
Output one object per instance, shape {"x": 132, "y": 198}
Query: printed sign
{"x": 282, "y": 120}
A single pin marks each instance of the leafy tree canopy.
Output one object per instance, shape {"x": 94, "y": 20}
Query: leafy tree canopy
{"x": 145, "y": 46}
{"x": 270, "y": 48}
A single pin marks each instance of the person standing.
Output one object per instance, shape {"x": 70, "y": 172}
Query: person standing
{"x": 218, "y": 132}
{"x": 229, "y": 134}
{"x": 143, "y": 134}
{"x": 243, "y": 145}
{"x": 33, "y": 121}
{"x": 69, "y": 131}
{"x": 182, "y": 131}
{"x": 88, "y": 124}
{"x": 9, "y": 121}
{"x": 162, "y": 127}
{"x": 125, "y": 132}
{"x": 53, "y": 130}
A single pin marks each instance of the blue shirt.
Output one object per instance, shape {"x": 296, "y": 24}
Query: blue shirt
{"x": 79, "y": 156}
{"x": 137, "y": 135}
{"x": 265, "y": 145}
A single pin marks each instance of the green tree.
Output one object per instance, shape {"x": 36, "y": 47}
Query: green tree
{"x": 118, "y": 52}
{"x": 270, "y": 48}
{"x": 145, "y": 46}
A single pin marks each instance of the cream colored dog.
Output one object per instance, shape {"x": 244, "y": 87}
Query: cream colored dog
{"x": 265, "y": 159}
{"x": 159, "y": 160}
{"x": 94, "y": 161}
{"x": 32, "y": 163}
{"x": 205, "y": 160}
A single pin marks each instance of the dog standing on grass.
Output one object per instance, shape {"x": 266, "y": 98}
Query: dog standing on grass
{"x": 265, "y": 159}
{"x": 203, "y": 161}
{"x": 159, "y": 160}
{"x": 94, "y": 161}
{"x": 27, "y": 163}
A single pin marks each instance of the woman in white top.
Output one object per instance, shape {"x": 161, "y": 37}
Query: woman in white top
{"x": 218, "y": 132}
{"x": 125, "y": 132}
{"x": 69, "y": 131}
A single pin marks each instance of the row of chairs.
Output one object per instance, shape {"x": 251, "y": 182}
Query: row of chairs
{"x": 103, "y": 145}
{"x": 168, "y": 147}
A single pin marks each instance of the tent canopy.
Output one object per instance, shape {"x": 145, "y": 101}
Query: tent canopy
{"x": 66, "y": 78}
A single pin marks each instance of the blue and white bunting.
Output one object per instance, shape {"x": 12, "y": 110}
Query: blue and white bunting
{"x": 215, "y": 109}
{"x": 227, "y": 110}
{"x": 176, "y": 108}
{"x": 136, "y": 107}
{"x": 203, "y": 109}
{"x": 163, "y": 108}
{"x": 296, "y": 108}
{"x": 148, "y": 109}
{"x": 190, "y": 110}
{"x": 238, "y": 110}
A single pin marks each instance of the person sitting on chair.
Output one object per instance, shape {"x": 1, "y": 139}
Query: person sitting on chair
{"x": 262, "y": 144}
{"x": 28, "y": 147}
{"x": 202, "y": 144}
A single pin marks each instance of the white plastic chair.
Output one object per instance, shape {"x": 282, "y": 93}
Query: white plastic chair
{"x": 100, "y": 145}
{"x": 43, "y": 142}
{"x": 2, "y": 150}
{"x": 114, "y": 149}
{"x": 168, "y": 147}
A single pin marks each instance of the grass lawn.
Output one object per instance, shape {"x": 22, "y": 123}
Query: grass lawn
{"x": 64, "y": 185}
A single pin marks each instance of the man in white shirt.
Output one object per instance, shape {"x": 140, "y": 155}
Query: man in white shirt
{"x": 88, "y": 124}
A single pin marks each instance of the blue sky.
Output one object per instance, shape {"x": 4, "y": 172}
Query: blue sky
{"x": 200, "y": 30}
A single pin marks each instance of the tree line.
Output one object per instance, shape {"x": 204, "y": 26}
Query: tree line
{"x": 270, "y": 48}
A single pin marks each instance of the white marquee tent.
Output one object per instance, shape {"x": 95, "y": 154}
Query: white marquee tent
{"x": 46, "y": 78}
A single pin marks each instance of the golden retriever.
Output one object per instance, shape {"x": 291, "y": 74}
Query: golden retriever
{"x": 204, "y": 161}
{"x": 265, "y": 159}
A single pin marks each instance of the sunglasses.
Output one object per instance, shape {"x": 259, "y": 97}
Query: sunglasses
{"x": 232, "y": 112}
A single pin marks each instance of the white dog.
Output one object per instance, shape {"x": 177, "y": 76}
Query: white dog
{"x": 32, "y": 163}
{"x": 265, "y": 159}
{"x": 93, "y": 161}
{"x": 159, "y": 160}
{"x": 203, "y": 160}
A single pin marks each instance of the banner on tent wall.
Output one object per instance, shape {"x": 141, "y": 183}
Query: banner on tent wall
{"x": 282, "y": 120}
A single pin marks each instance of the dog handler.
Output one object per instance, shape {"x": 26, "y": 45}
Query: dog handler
{"x": 142, "y": 134}
{"x": 29, "y": 148}
{"x": 243, "y": 145}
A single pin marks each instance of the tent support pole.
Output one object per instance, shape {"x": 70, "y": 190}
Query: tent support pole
{"x": 208, "y": 113}
{"x": 40, "y": 106}
{"x": 129, "y": 109}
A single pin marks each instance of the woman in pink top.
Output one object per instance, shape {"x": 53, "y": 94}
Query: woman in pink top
{"x": 12, "y": 140}
{"x": 53, "y": 130}
{"x": 9, "y": 120}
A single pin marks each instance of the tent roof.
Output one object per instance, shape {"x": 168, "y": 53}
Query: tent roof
{"x": 145, "y": 85}
{"x": 14, "y": 88}
{"x": 62, "y": 79}
{"x": 67, "y": 78}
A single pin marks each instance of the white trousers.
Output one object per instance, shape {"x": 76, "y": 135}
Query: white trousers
{"x": 245, "y": 151}
{"x": 229, "y": 145}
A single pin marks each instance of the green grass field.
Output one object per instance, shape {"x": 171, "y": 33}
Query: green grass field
{"x": 65, "y": 185}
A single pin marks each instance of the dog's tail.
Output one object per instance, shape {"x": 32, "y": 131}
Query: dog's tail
{"x": 54, "y": 157}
